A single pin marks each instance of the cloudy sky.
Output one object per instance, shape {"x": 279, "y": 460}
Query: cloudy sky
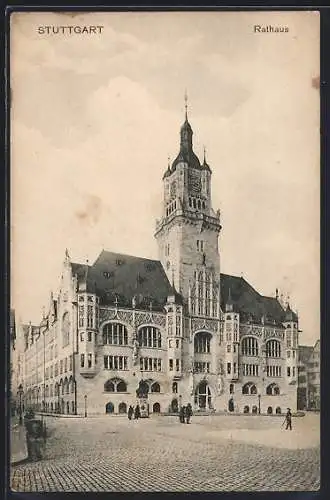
{"x": 95, "y": 117}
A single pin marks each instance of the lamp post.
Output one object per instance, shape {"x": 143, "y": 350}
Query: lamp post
{"x": 259, "y": 398}
{"x": 20, "y": 393}
{"x": 85, "y": 397}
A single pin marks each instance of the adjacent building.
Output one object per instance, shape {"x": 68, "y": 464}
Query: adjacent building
{"x": 309, "y": 377}
{"x": 177, "y": 326}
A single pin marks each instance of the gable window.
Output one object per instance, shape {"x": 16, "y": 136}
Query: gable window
{"x": 149, "y": 336}
{"x": 250, "y": 346}
{"x": 115, "y": 334}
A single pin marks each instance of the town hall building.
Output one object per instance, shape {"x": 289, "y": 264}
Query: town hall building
{"x": 177, "y": 327}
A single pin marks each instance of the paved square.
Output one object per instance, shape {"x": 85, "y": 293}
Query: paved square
{"x": 213, "y": 453}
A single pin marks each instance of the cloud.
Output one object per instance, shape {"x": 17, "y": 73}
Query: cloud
{"x": 95, "y": 119}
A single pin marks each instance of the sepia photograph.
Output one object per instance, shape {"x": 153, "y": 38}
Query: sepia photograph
{"x": 165, "y": 251}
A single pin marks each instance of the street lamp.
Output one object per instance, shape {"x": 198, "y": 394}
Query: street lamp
{"x": 85, "y": 397}
{"x": 259, "y": 398}
{"x": 20, "y": 393}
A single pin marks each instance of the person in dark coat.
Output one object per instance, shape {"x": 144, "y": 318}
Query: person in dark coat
{"x": 188, "y": 413}
{"x": 182, "y": 414}
{"x": 137, "y": 413}
{"x": 130, "y": 412}
{"x": 288, "y": 419}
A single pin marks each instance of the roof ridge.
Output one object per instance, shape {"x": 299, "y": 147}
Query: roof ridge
{"x": 104, "y": 251}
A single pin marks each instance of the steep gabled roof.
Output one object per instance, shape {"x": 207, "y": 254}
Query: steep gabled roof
{"x": 248, "y": 302}
{"x": 120, "y": 277}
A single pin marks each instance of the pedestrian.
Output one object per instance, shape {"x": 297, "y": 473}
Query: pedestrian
{"x": 182, "y": 414}
{"x": 130, "y": 412}
{"x": 288, "y": 420}
{"x": 137, "y": 413}
{"x": 188, "y": 413}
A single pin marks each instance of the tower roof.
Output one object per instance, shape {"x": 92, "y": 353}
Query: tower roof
{"x": 186, "y": 153}
{"x": 290, "y": 315}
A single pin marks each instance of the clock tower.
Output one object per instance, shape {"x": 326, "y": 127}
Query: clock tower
{"x": 188, "y": 231}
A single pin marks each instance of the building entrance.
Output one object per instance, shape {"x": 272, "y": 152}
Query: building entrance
{"x": 203, "y": 398}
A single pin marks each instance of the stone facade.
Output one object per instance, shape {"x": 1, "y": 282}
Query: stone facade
{"x": 189, "y": 332}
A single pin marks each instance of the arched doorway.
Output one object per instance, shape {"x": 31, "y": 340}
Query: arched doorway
{"x": 246, "y": 409}
{"x": 174, "y": 405}
{"x": 231, "y": 404}
{"x": 269, "y": 410}
{"x": 203, "y": 397}
{"x": 156, "y": 408}
{"x": 254, "y": 409}
{"x": 278, "y": 411}
{"x": 122, "y": 408}
{"x": 109, "y": 408}
{"x": 68, "y": 407}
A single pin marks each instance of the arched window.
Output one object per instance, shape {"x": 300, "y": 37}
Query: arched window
{"x": 155, "y": 387}
{"x": 174, "y": 405}
{"x": 249, "y": 388}
{"x": 115, "y": 385}
{"x": 115, "y": 334}
{"x": 122, "y": 408}
{"x": 202, "y": 342}
{"x": 231, "y": 389}
{"x": 109, "y": 386}
{"x": 121, "y": 386}
{"x": 71, "y": 385}
{"x": 156, "y": 408}
{"x": 272, "y": 390}
{"x": 149, "y": 336}
{"x": 273, "y": 349}
{"x": 250, "y": 346}
{"x": 175, "y": 387}
{"x": 65, "y": 329}
{"x": 109, "y": 408}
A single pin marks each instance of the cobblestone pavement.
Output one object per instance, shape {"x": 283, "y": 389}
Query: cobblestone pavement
{"x": 160, "y": 454}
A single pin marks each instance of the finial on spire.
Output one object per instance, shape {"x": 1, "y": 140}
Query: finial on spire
{"x": 204, "y": 149}
{"x": 67, "y": 256}
{"x": 186, "y": 103}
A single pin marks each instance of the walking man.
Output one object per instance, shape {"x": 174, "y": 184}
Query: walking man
{"x": 188, "y": 413}
{"x": 288, "y": 420}
{"x": 130, "y": 412}
{"x": 182, "y": 414}
{"x": 137, "y": 413}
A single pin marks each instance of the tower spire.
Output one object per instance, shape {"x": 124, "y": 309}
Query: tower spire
{"x": 186, "y": 104}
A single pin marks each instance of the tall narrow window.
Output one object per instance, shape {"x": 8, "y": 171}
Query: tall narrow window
{"x": 82, "y": 360}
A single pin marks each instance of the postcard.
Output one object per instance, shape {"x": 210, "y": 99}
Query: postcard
{"x": 165, "y": 251}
